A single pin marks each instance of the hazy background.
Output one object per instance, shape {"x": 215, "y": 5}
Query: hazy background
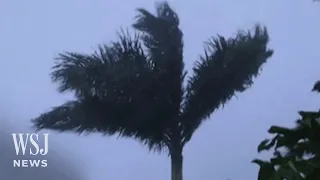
{"x": 33, "y": 31}
{"x": 60, "y": 166}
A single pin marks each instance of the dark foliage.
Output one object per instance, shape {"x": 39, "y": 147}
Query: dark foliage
{"x": 296, "y": 150}
{"x": 316, "y": 87}
{"x": 135, "y": 86}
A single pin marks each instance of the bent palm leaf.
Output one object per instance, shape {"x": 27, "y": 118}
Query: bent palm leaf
{"x": 228, "y": 67}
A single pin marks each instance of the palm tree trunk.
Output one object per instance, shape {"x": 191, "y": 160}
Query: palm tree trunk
{"x": 176, "y": 165}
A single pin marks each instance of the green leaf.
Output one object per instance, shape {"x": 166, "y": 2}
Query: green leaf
{"x": 260, "y": 162}
{"x": 316, "y": 87}
{"x": 278, "y": 130}
{"x": 263, "y": 145}
{"x": 292, "y": 166}
{"x": 266, "y": 171}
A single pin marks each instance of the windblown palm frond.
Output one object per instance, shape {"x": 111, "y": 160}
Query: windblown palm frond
{"x": 115, "y": 86}
{"x": 162, "y": 38}
{"x": 92, "y": 74}
{"x": 228, "y": 67}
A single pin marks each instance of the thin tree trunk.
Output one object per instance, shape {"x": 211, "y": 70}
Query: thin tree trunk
{"x": 176, "y": 165}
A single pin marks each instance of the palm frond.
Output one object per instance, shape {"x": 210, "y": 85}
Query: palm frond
{"x": 228, "y": 66}
{"x": 100, "y": 72}
{"x": 162, "y": 38}
{"x": 117, "y": 91}
{"x": 77, "y": 116}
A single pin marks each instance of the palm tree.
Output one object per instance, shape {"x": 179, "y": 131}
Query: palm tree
{"x": 296, "y": 150}
{"x": 136, "y": 87}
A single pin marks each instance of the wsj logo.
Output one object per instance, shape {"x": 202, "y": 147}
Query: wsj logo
{"x": 29, "y": 145}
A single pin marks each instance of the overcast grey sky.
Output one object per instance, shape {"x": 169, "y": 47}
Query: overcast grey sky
{"x": 33, "y": 31}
